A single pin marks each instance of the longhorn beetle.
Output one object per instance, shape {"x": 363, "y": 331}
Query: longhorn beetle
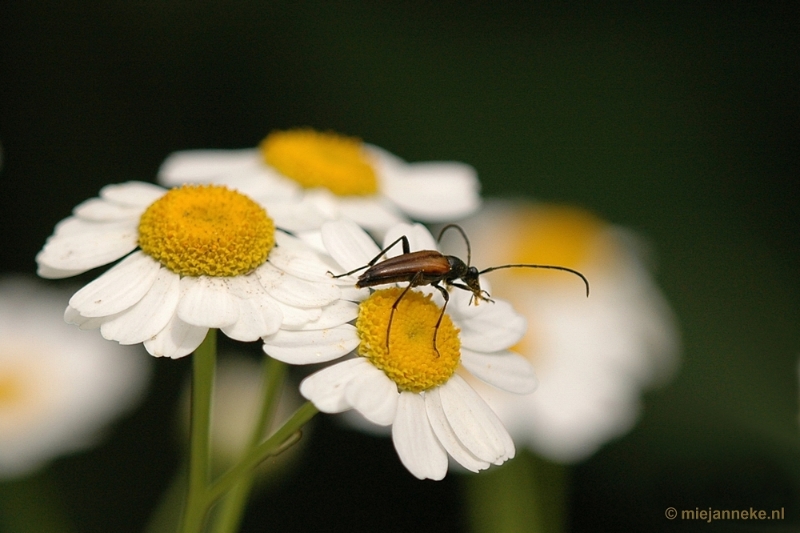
{"x": 430, "y": 267}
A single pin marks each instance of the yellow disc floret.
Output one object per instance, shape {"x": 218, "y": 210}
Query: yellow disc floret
{"x": 557, "y": 235}
{"x": 316, "y": 159}
{"x": 11, "y": 390}
{"x": 206, "y": 230}
{"x": 410, "y": 360}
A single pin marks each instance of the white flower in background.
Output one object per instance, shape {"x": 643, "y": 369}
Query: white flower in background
{"x": 304, "y": 177}
{"x": 405, "y": 382}
{"x": 59, "y": 386}
{"x": 593, "y": 356}
{"x": 207, "y": 257}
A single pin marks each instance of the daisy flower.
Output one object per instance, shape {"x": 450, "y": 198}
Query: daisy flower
{"x": 307, "y": 177}
{"x": 59, "y": 386}
{"x": 405, "y": 382}
{"x": 593, "y": 356}
{"x": 195, "y": 257}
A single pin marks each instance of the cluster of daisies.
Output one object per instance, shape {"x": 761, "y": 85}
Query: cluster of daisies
{"x": 266, "y": 245}
{"x": 254, "y": 243}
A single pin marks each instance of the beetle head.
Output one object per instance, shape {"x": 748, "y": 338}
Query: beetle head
{"x": 472, "y": 279}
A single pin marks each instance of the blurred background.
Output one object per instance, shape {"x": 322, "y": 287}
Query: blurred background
{"x": 678, "y": 120}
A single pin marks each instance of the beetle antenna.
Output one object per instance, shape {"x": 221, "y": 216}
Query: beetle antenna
{"x": 466, "y": 240}
{"x": 551, "y": 267}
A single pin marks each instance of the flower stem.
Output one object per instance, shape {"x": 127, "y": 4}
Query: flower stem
{"x": 283, "y": 438}
{"x": 229, "y": 515}
{"x": 525, "y": 495}
{"x": 197, "y": 502}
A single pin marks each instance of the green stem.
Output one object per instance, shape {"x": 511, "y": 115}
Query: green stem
{"x": 525, "y": 495}
{"x": 229, "y": 515}
{"x": 282, "y": 439}
{"x": 203, "y": 364}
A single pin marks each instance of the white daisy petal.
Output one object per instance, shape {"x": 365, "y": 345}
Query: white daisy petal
{"x": 312, "y": 239}
{"x": 191, "y": 166}
{"x": 374, "y": 395}
{"x": 326, "y": 388}
{"x": 308, "y": 347}
{"x": 474, "y": 423}
{"x": 76, "y": 226}
{"x": 505, "y": 370}
{"x": 370, "y": 213}
{"x": 417, "y": 446}
{"x": 384, "y": 161}
{"x": 132, "y": 193}
{"x": 295, "y": 216}
{"x": 148, "y": 316}
{"x": 497, "y": 327}
{"x": 295, "y": 318}
{"x": 97, "y": 244}
{"x": 259, "y": 316}
{"x": 294, "y": 291}
{"x": 177, "y": 339}
{"x": 419, "y": 238}
{"x": 262, "y": 182}
{"x": 47, "y": 272}
{"x": 72, "y": 316}
{"x": 207, "y": 302}
{"x": 259, "y": 313}
{"x": 335, "y": 314}
{"x": 354, "y": 294}
{"x": 441, "y": 427}
{"x": 291, "y": 255}
{"x": 348, "y": 244}
{"x": 117, "y": 289}
{"x": 99, "y": 210}
{"x": 436, "y": 191}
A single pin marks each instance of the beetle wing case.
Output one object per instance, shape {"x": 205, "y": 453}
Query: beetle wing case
{"x": 404, "y": 267}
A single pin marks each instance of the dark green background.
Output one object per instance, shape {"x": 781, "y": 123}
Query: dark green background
{"x": 677, "y": 120}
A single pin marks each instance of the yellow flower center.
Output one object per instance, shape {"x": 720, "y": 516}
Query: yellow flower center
{"x": 555, "y": 235}
{"x": 560, "y": 235}
{"x": 206, "y": 230}
{"x": 316, "y": 159}
{"x": 410, "y": 361}
{"x": 11, "y": 389}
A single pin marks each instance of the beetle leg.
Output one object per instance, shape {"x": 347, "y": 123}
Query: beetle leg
{"x": 412, "y": 283}
{"x": 406, "y": 250}
{"x": 483, "y": 295}
{"x": 446, "y": 296}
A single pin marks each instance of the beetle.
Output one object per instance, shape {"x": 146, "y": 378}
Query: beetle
{"x": 431, "y": 267}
